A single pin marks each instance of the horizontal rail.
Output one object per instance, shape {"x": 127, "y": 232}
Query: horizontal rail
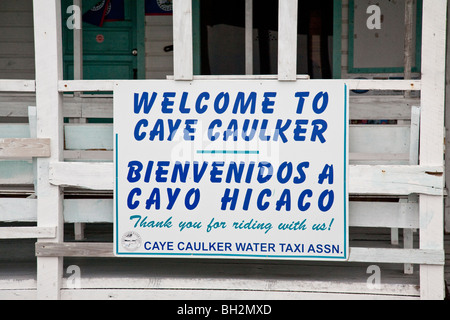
{"x": 362, "y": 107}
{"x": 361, "y": 214}
{"x": 27, "y": 232}
{"x": 17, "y": 86}
{"x": 24, "y": 148}
{"x": 373, "y": 255}
{"x": 354, "y": 84}
{"x": 86, "y": 85}
{"x": 364, "y": 179}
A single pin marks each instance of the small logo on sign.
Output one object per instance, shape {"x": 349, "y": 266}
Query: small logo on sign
{"x": 131, "y": 241}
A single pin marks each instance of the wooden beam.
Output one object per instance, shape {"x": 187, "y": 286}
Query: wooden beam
{"x": 356, "y": 84}
{"x": 24, "y": 148}
{"x": 183, "y": 40}
{"x": 85, "y": 85}
{"x": 287, "y": 40}
{"x": 361, "y": 214}
{"x": 92, "y": 176}
{"x": 396, "y": 180}
{"x": 248, "y": 37}
{"x": 49, "y": 70}
{"x": 27, "y": 233}
{"x": 434, "y": 29}
{"x": 373, "y": 255}
{"x": 17, "y": 86}
{"x": 376, "y": 180}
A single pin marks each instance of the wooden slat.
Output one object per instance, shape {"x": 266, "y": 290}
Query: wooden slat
{"x": 86, "y": 85}
{"x": 371, "y": 255}
{"x": 27, "y": 232}
{"x": 354, "y": 84}
{"x": 17, "y": 86}
{"x": 432, "y": 136}
{"x": 24, "y": 148}
{"x": 92, "y": 176}
{"x": 369, "y": 139}
{"x": 18, "y": 210}
{"x": 183, "y": 64}
{"x": 376, "y": 180}
{"x": 362, "y": 107}
{"x": 287, "y": 40}
{"x": 396, "y": 180}
{"x": 49, "y": 70}
{"x": 383, "y": 214}
{"x": 361, "y": 214}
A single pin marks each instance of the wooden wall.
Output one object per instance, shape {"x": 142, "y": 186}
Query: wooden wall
{"x": 16, "y": 40}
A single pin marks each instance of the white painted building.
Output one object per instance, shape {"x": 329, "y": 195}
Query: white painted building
{"x": 56, "y": 142}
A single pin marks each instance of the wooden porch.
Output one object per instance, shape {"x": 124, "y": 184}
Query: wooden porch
{"x": 396, "y": 188}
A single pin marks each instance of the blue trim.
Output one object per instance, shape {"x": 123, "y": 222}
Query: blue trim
{"x": 308, "y": 257}
{"x": 117, "y": 194}
{"x": 226, "y": 152}
{"x": 345, "y": 170}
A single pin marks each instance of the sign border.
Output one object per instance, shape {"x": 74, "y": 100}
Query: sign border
{"x": 345, "y": 256}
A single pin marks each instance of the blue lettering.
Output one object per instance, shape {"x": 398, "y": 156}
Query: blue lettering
{"x": 225, "y": 96}
{"x": 166, "y": 103}
{"x": 244, "y": 106}
{"x": 192, "y": 192}
{"x": 267, "y": 102}
{"x": 134, "y": 171}
{"x": 133, "y": 205}
{"x": 183, "y": 108}
{"x": 188, "y": 130}
{"x": 302, "y": 206}
{"x": 299, "y": 130}
{"x": 317, "y": 98}
{"x": 325, "y": 207}
{"x": 320, "y": 126}
{"x": 143, "y": 102}
{"x": 213, "y": 124}
{"x": 301, "y": 100}
{"x": 198, "y": 107}
{"x": 139, "y": 136}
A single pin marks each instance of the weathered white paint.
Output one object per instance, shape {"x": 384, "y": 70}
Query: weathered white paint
{"x": 361, "y": 214}
{"x": 27, "y": 232}
{"x": 182, "y": 40}
{"x": 375, "y": 255}
{"x": 377, "y": 180}
{"x": 287, "y": 40}
{"x": 426, "y": 178}
{"x": 48, "y": 48}
{"x": 432, "y": 139}
{"x": 23, "y": 148}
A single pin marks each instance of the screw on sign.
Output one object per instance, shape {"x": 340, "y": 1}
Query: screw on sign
{"x": 100, "y": 38}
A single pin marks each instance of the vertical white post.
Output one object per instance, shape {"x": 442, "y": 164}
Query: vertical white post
{"x": 432, "y": 139}
{"x": 78, "y": 75}
{"x": 48, "y": 55}
{"x": 287, "y": 40}
{"x": 182, "y": 40}
{"x": 248, "y": 37}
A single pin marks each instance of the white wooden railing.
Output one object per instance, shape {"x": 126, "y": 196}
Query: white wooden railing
{"x": 387, "y": 179}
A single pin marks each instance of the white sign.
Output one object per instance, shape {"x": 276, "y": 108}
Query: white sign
{"x": 232, "y": 169}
